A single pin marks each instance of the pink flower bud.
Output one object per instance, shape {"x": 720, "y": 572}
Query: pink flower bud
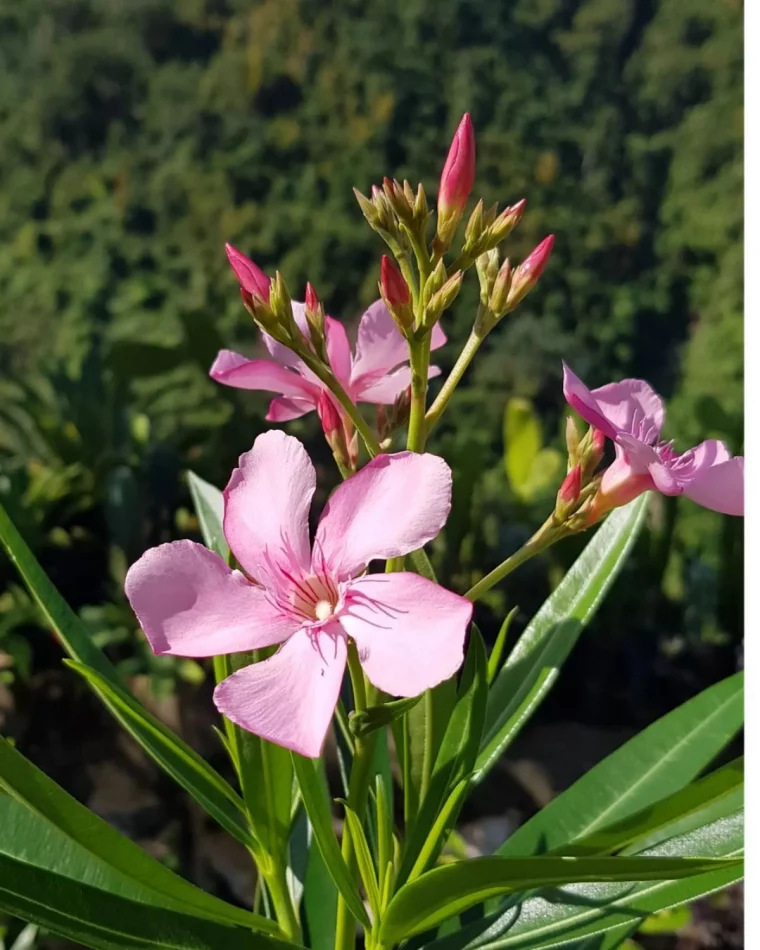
{"x": 328, "y": 416}
{"x": 312, "y": 300}
{"x": 252, "y": 278}
{"x": 458, "y": 175}
{"x": 527, "y": 274}
{"x": 570, "y": 488}
{"x": 393, "y": 285}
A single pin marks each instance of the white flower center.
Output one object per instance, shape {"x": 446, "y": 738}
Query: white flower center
{"x": 314, "y": 598}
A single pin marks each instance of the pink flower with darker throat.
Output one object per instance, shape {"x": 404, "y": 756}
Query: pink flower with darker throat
{"x": 309, "y": 597}
{"x": 632, "y": 415}
{"x": 376, "y": 373}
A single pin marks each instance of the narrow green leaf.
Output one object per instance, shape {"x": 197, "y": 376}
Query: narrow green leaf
{"x": 458, "y": 749}
{"x": 425, "y": 725}
{"x": 555, "y": 917}
{"x": 384, "y": 822}
{"x": 32, "y": 788}
{"x": 442, "y": 827}
{"x": 317, "y": 804}
{"x": 183, "y": 764}
{"x": 107, "y": 921}
{"x": 363, "y": 859}
{"x": 448, "y": 890}
{"x": 194, "y": 774}
{"x": 654, "y": 764}
{"x": 535, "y": 662}
{"x": 375, "y": 717}
{"x": 320, "y": 902}
{"x": 209, "y": 507}
{"x": 694, "y": 798}
{"x": 494, "y": 660}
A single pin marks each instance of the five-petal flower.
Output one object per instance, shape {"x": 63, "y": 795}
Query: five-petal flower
{"x": 409, "y": 631}
{"x": 632, "y": 415}
{"x": 377, "y": 373}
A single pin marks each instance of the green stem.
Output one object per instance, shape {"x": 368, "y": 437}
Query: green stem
{"x": 435, "y": 412}
{"x": 358, "y": 792}
{"x": 546, "y": 535}
{"x": 419, "y": 359}
{"x": 352, "y": 411}
{"x": 277, "y": 885}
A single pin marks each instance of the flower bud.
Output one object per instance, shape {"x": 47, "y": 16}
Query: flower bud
{"x": 395, "y": 293}
{"x": 487, "y": 266}
{"x": 315, "y": 317}
{"x": 527, "y": 274}
{"x": 506, "y": 223}
{"x": 434, "y": 282}
{"x": 443, "y": 299}
{"x": 474, "y": 230}
{"x": 593, "y": 451}
{"x": 282, "y": 309}
{"x": 572, "y": 440}
{"x": 568, "y": 494}
{"x": 457, "y": 180}
{"x": 332, "y": 426}
{"x": 252, "y": 278}
{"x": 497, "y": 302}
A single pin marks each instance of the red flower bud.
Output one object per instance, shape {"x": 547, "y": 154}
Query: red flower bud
{"x": 570, "y": 488}
{"x": 393, "y": 285}
{"x": 328, "y": 416}
{"x": 252, "y": 278}
{"x": 527, "y": 274}
{"x": 458, "y": 175}
{"x": 312, "y": 300}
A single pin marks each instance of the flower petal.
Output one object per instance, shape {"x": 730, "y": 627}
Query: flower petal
{"x": 266, "y": 507}
{"x": 338, "y": 350}
{"x": 410, "y": 632}
{"x": 380, "y": 347}
{"x": 394, "y": 505}
{"x": 718, "y": 485}
{"x": 290, "y": 698}
{"x": 189, "y": 603}
{"x": 632, "y": 407}
{"x": 283, "y": 409}
{"x": 280, "y": 352}
{"x": 232, "y": 369}
{"x": 580, "y": 397}
{"x": 383, "y": 390}
{"x": 643, "y": 459}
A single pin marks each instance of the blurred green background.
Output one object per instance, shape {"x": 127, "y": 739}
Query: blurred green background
{"x": 137, "y": 136}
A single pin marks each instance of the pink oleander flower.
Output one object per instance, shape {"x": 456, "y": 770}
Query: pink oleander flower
{"x": 632, "y": 415}
{"x": 311, "y": 598}
{"x": 376, "y": 374}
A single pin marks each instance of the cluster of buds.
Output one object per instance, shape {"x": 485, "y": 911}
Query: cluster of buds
{"x": 486, "y": 229}
{"x": 389, "y": 420}
{"x": 268, "y": 301}
{"x": 575, "y": 497}
{"x": 396, "y": 212}
{"x": 503, "y": 287}
{"x": 439, "y": 293}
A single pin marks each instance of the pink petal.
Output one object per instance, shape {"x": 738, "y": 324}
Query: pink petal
{"x": 338, "y": 349}
{"x": 643, "y": 459}
{"x": 718, "y": 483}
{"x": 580, "y": 397}
{"x": 622, "y": 482}
{"x": 280, "y": 352}
{"x": 189, "y": 603}
{"x": 409, "y": 631}
{"x": 437, "y": 337}
{"x": 283, "y": 409}
{"x": 290, "y": 698}
{"x": 379, "y": 344}
{"x": 383, "y": 391}
{"x": 232, "y": 369}
{"x": 266, "y": 507}
{"x": 394, "y": 505}
{"x": 632, "y": 407}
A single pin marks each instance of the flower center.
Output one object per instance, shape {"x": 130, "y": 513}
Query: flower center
{"x": 314, "y": 598}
